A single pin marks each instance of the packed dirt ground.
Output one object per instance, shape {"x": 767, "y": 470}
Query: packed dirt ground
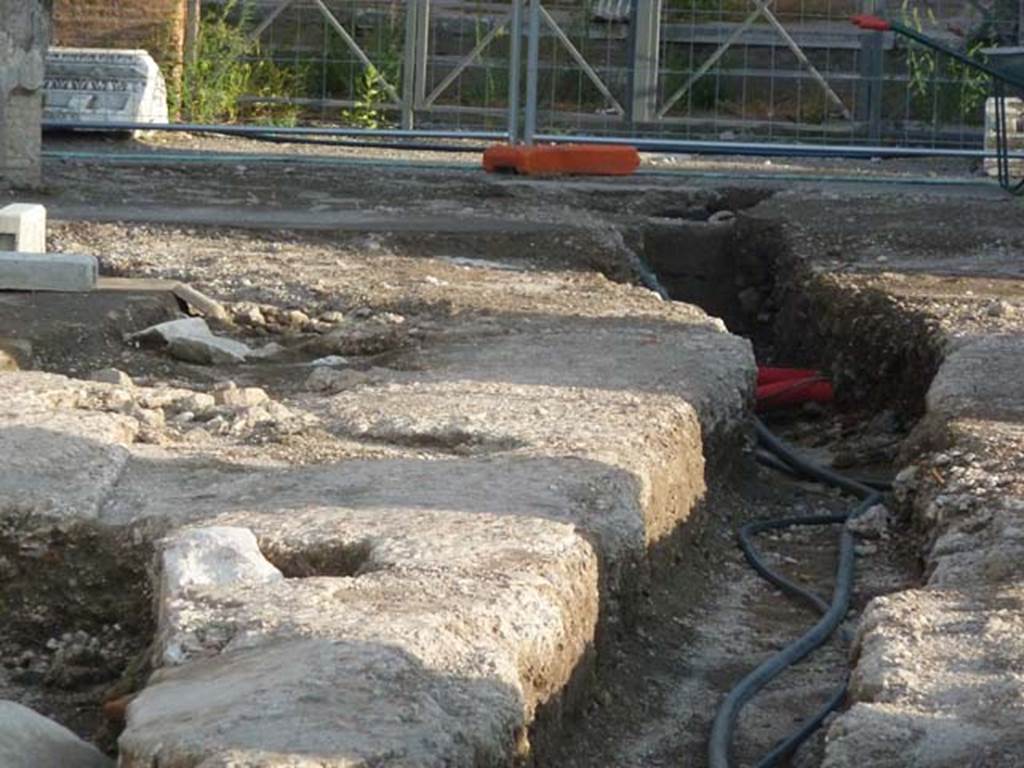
{"x": 368, "y": 266}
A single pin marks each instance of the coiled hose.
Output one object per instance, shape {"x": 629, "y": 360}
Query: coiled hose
{"x": 832, "y": 612}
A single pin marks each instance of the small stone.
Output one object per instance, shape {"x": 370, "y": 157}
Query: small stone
{"x": 197, "y": 402}
{"x": 997, "y": 308}
{"x": 330, "y": 361}
{"x": 118, "y": 401}
{"x": 362, "y": 313}
{"x": 873, "y": 523}
{"x": 332, "y": 317}
{"x": 325, "y": 379}
{"x": 149, "y": 418}
{"x": 249, "y": 314}
{"x": 296, "y": 318}
{"x": 112, "y": 376}
{"x": 266, "y": 351}
{"x": 241, "y": 397}
{"x": 15, "y": 354}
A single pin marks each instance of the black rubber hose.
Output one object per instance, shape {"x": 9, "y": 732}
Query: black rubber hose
{"x": 728, "y": 713}
{"x": 767, "y": 459}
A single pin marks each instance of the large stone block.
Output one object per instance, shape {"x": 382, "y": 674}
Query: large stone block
{"x": 23, "y": 228}
{"x": 23, "y": 39}
{"x": 47, "y": 272}
{"x": 94, "y": 85}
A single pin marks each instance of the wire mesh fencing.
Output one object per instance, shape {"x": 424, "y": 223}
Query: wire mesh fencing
{"x": 745, "y": 70}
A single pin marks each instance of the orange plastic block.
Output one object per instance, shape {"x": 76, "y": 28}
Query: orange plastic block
{"x": 501, "y": 157}
{"x": 563, "y": 159}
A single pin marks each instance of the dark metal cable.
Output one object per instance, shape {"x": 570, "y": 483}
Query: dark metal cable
{"x": 833, "y": 613}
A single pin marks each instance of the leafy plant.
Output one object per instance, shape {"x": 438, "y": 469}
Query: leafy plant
{"x": 939, "y": 85}
{"x": 371, "y": 94}
{"x": 227, "y": 68}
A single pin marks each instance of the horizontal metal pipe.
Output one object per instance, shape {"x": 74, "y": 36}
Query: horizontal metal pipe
{"x": 243, "y": 130}
{"x": 682, "y": 146}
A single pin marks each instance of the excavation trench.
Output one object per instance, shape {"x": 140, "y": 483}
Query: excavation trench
{"x": 658, "y": 692}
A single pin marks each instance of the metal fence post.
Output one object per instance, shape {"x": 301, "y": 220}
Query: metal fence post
{"x": 422, "y": 48}
{"x": 645, "y": 43}
{"x": 532, "y": 73}
{"x": 871, "y": 63}
{"x": 515, "y": 61}
{"x": 412, "y": 11}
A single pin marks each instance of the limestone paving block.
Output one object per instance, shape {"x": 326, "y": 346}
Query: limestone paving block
{"x": 93, "y": 85}
{"x": 23, "y": 228}
{"x": 47, "y": 272}
{"x": 56, "y": 458}
{"x": 29, "y": 740}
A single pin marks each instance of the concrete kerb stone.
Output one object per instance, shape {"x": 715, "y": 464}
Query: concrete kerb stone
{"x": 23, "y": 228}
{"x": 61, "y": 272}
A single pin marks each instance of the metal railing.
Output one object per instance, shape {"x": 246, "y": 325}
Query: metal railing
{"x": 792, "y": 71}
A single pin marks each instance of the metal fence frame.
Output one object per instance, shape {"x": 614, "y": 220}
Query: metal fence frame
{"x": 640, "y": 109}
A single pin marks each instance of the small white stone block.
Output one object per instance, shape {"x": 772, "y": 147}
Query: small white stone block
{"x": 47, "y": 272}
{"x": 23, "y": 228}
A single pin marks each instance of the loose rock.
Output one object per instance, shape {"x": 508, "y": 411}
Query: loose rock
{"x": 29, "y": 740}
{"x": 112, "y": 376}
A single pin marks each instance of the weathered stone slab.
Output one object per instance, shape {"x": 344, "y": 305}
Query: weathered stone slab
{"x": 47, "y": 272}
{"x": 23, "y": 228}
{"x": 93, "y": 85}
{"x": 29, "y": 740}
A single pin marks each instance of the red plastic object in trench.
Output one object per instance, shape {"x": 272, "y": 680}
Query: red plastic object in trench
{"x": 783, "y": 387}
